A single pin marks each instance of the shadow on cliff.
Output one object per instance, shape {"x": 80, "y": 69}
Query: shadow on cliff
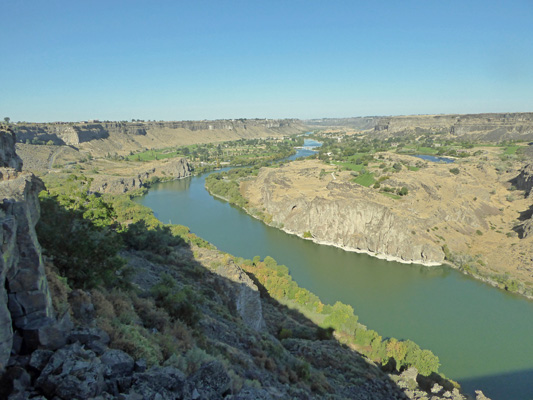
{"x": 525, "y": 219}
{"x": 512, "y": 385}
{"x": 214, "y": 298}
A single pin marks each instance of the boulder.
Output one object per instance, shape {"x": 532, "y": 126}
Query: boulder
{"x": 244, "y": 294}
{"x": 85, "y": 335}
{"x": 39, "y": 359}
{"x": 45, "y": 333}
{"x": 72, "y": 372}
{"x": 159, "y": 383}
{"x": 118, "y": 363}
{"x": 409, "y": 374}
{"x": 211, "y": 381}
{"x": 140, "y": 365}
{"x": 480, "y": 395}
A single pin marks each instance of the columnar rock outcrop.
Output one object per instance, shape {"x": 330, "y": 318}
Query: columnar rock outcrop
{"x": 25, "y": 302}
{"x": 245, "y": 295}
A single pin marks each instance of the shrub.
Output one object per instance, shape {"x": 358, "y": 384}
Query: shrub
{"x": 135, "y": 341}
{"x": 403, "y": 191}
{"x": 158, "y": 239}
{"x": 179, "y": 303}
{"x": 284, "y": 334}
{"x": 454, "y": 171}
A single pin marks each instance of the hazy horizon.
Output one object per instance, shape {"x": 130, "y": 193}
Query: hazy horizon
{"x": 259, "y": 118}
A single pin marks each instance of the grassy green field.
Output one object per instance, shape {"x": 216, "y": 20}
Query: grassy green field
{"x": 511, "y": 149}
{"x": 391, "y": 195}
{"x": 150, "y": 155}
{"x": 366, "y": 179}
{"x": 349, "y": 165}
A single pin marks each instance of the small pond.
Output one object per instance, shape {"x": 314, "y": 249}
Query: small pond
{"x": 435, "y": 159}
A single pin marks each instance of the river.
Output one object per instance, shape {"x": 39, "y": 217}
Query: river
{"x": 482, "y": 335}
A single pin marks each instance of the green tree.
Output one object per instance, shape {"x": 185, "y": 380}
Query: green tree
{"x": 403, "y": 191}
{"x": 7, "y": 120}
{"x": 83, "y": 251}
{"x": 342, "y": 318}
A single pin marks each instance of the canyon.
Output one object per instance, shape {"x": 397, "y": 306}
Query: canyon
{"x": 59, "y": 341}
{"x": 121, "y": 138}
{"x": 491, "y": 127}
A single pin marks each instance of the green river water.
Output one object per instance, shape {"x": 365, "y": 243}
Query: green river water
{"x": 481, "y": 335}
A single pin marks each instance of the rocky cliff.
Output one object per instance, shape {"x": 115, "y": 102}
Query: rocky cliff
{"x": 486, "y": 127}
{"x": 340, "y": 214}
{"x": 524, "y": 180}
{"x": 122, "y": 137}
{"x": 471, "y": 212}
{"x": 168, "y": 169}
{"x": 25, "y": 303}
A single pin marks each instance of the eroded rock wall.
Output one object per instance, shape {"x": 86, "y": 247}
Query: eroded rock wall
{"x": 349, "y": 221}
{"x": 495, "y": 127}
{"x": 170, "y": 169}
{"x": 524, "y": 180}
{"x": 124, "y": 137}
{"x": 24, "y": 296}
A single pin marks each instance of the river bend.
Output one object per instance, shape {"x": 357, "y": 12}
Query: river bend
{"x": 482, "y": 335}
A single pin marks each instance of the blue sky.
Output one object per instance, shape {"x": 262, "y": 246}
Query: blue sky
{"x": 179, "y": 60}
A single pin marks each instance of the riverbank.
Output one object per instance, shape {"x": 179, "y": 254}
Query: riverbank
{"x": 436, "y": 307}
{"x": 502, "y": 282}
{"x": 463, "y": 216}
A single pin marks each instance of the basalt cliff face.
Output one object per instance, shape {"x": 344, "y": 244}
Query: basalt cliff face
{"x": 25, "y": 302}
{"x": 524, "y": 180}
{"x": 469, "y": 214}
{"x": 355, "y": 224}
{"x": 487, "y": 127}
{"x": 170, "y": 169}
{"x": 340, "y": 213}
{"x": 122, "y": 137}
